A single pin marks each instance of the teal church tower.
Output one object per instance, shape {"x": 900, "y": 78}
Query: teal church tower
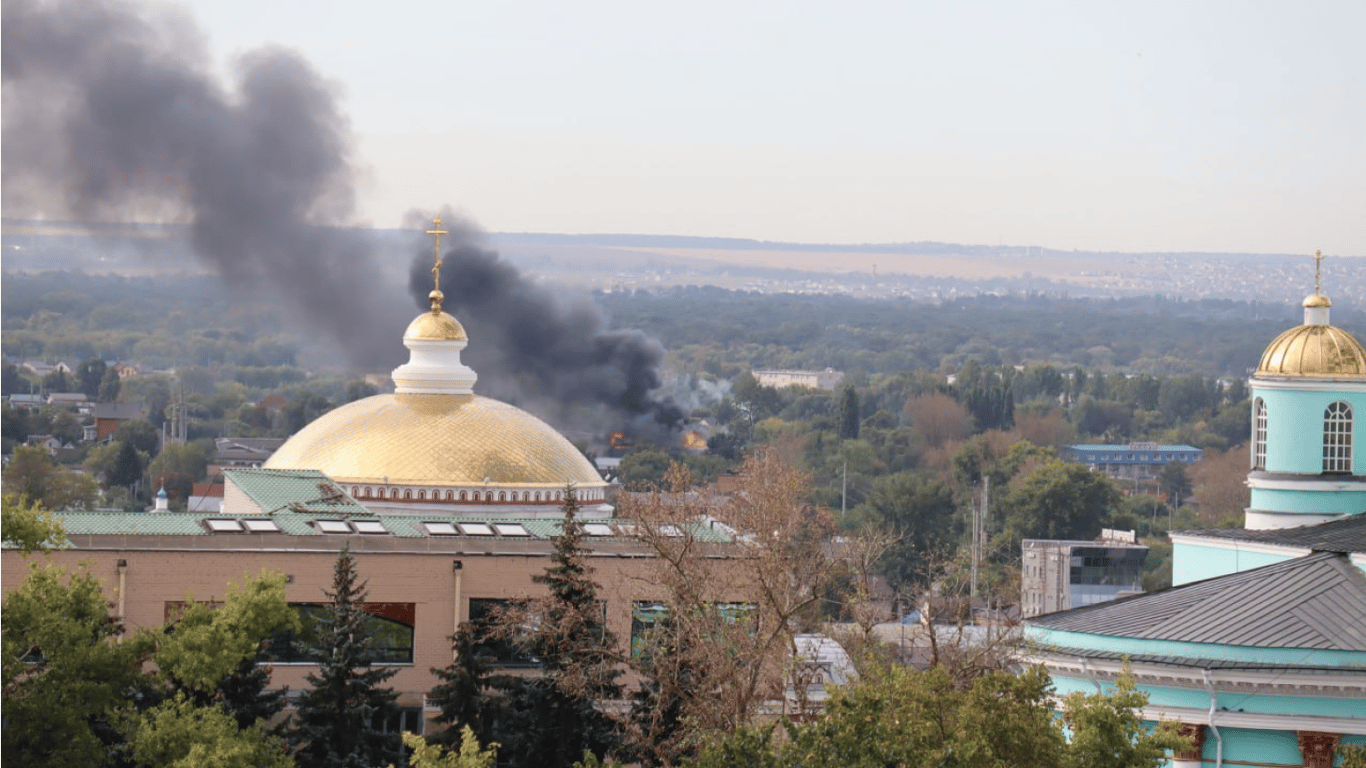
{"x": 1308, "y": 437}
{"x": 1259, "y": 648}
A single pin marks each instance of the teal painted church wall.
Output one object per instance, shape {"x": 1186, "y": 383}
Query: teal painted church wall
{"x": 1192, "y": 562}
{"x": 1294, "y": 439}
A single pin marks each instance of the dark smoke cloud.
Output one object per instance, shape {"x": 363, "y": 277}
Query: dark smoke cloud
{"x": 111, "y": 110}
{"x": 527, "y": 343}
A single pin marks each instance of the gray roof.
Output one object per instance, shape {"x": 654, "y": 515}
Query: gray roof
{"x": 119, "y": 410}
{"x": 1317, "y": 601}
{"x": 1346, "y": 534}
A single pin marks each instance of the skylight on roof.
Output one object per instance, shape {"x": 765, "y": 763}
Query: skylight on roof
{"x": 332, "y": 526}
{"x": 670, "y": 530}
{"x": 223, "y": 526}
{"x": 440, "y": 529}
{"x": 260, "y": 525}
{"x": 369, "y": 526}
{"x": 597, "y": 529}
{"x": 511, "y": 529}
{"x": 475, "y": 529}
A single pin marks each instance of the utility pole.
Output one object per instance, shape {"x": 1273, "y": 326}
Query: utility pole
{"x": 844, "y": 490}
{"x": 979, "y": 531}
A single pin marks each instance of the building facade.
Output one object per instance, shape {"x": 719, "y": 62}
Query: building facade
{"x": 1060, "y": 575}
{"x": 1258, "y": 649}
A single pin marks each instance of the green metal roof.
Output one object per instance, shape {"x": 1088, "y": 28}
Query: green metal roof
{"x": 298, "y": 490}
{"x": 293, "y": 523}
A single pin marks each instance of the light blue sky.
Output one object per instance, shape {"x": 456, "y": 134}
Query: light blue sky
{"x": 1223, "y": 126}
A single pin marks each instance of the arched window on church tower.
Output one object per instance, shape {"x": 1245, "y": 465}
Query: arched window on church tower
{"x": 464, "y": 496}
{"x": 1337, "y": 438}
{"x": 1259, "y": 434}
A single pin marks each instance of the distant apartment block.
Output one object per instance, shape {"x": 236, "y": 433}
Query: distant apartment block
{"x": 1135, "y": 461}
{"x": 1061, "y": 575}
{"x": 827, "y": 379}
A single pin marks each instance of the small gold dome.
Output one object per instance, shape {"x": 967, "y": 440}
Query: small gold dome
{"x": 435, "y": 326}
{"x": 435, "y": 440}
{"x": 1314, "y": 350}
{"x": 1316, "y": 300}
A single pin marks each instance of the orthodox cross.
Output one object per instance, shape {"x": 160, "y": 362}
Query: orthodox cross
{"x": 436, "y": 270}
{"x": 1318, "y": 264}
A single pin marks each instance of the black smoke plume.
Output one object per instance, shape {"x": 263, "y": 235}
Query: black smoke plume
{"x": 528, "y": 343}
{"x": 111, "y": 110}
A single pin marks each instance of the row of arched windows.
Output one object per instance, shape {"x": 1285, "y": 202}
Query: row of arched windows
{"x": 1337, "y": 436}
{"x": 366, "y": 492}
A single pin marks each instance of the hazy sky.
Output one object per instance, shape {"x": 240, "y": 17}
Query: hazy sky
{"x": 1222, "y": 126}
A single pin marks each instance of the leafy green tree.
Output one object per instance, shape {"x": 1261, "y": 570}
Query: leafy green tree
{"x": 1108, "y": 730}
{"x": 340, "y": 718}
{"x": 27, "y": 526}
{"x": 56, "y": 381}
{"x": 65, "y": 682}
{"x": 11, "y": 381}
{"x": 110, "y": 386}
{"x": 1352, "y": 755}
{"x": 186, "y": 458}
{"x": 913, "y": 719}
{"x": 918, "y": 511}
{"x": 89, "y": 374}
{"x": 645, "y": 466}
{"x": 141, "y": 433}
{"x": 1176, "y": 484}
{"x": 469, "y": 755}
{"x": 181, "y": 734}
{"x": 849, "y": 414}
{"x": 358, "y": 390}
{"x": 1058, "y": 500}
{"x": 32, "y": 474}
{"x": 550, "y": 719}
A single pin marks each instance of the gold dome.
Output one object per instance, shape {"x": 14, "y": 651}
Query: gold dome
{"x": 435, "y": 326}
{"x": 1316, "y": 300}
{"x": 435, "y": 440}
{"x": 1314, "y": 350}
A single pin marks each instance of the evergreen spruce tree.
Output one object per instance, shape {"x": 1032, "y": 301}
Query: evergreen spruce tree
{"x": 548, "y": 721}
{"x": 849, "y": 414}
{"x": 462, "y": 695}
{"x": 340, "y": 719}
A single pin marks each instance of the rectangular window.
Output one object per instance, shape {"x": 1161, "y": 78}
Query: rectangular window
{"x": 645, "y": 617}
{"x": 369, "y": 526}
{"x": 390, "y": 626}
{"x": 1337, "y": 438}
{"x": 260, "y": 525}
{"x": 502, "y": 652}
{"x": 1259, "y": 435}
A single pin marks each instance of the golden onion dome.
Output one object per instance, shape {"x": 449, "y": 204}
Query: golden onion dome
{"x": 410, "y": 439}
{"x": 435, "y": 326}
{"x": 1313, "y": 350}
{"x": 1315, "y": 300}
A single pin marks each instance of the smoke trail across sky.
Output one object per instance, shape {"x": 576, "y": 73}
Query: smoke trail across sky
{"x": 112, "y": 112}
{"x": 534, "y": 344}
